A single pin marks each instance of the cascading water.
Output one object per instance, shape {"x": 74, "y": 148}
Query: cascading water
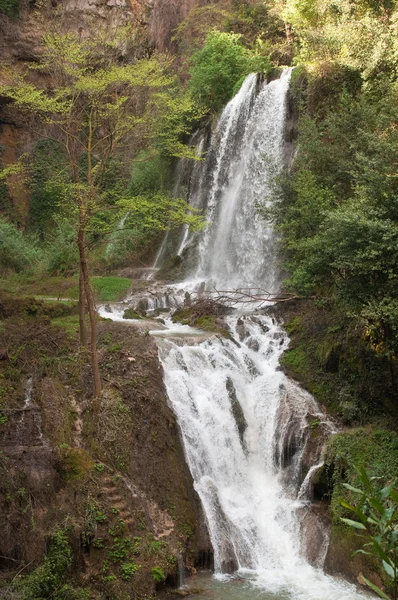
{"x": 237, "y": 247}
{"x": 243, "y": 422}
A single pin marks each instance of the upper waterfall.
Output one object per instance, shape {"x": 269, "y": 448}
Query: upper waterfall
{"x": 237, "y": 248}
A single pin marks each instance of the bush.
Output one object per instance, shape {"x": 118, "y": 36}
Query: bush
{"x": 62, "y": 252}
{"x": 158, "y": 574}
{"x": 150, "y": 174}
{"x": 49, "y": 174}
{"x": 18, "y": 252}
{"x": 10, "y": 8}
{"x": 44, "y": 581}
{"x": 219, "y": 65}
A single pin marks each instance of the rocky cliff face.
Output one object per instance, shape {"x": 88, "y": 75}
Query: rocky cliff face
{"x": 108, "y": 477}
{"x": 20, "y": 43}
{"x": 151, "y": 23}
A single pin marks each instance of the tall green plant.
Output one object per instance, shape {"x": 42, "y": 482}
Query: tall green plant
{"x": 18, "y": 252}
{"x": 376, "y": 516}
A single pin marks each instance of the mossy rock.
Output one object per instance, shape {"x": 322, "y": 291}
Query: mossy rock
{"x": 131, "y": 313}
{"x": 207, "y": 322}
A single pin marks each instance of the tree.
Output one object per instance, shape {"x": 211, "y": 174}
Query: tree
{"x": 376, "y": 516}
{"x": 97, "y": 108}
{"x": 219, "y": 66}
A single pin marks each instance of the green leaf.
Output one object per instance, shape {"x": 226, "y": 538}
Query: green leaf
{"x": 347, "y": 505}
{"x": 352, "y": 489}
{"x": 389, "y": 569}
{"x": 376, "y": 589}
{"x": 354, "y": 524}
{"x": 364, "y": 477}
{"x": 379, "y": 550}
{"x": 377, "y": 505}
{"x": 361, "y": 551}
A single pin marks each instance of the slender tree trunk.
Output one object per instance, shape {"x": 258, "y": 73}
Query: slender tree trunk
{"x": 81, "y": 240}
{"x": 82, "y": 312}
{"x": 288, "y": 32}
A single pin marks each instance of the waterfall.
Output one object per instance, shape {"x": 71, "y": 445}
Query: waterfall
{"x": 244, "y": 424}
{"x": 246, "y": 150}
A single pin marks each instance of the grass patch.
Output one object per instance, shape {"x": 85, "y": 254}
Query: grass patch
{"x": 107, "y": 289}
{"x": 69, "y": 323}
{"x": 53, "y": 287}
{"x": 111, "y": 289}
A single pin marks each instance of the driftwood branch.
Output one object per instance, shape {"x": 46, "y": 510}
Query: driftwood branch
{"x": 249, "y": 295}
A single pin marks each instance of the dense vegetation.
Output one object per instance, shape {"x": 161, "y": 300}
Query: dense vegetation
{"x": 337, "y": 208}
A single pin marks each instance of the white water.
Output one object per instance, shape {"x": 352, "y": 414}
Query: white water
{"x": 238, "y": 247}
{"x": 243, "y": 422}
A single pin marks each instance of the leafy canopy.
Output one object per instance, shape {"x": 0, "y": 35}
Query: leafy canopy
{"x": 219, "y": 66}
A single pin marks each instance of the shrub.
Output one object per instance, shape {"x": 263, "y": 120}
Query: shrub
{"x": 219, "y": 65}
{"x": 10, "y": 8}
{"x": 158, "y": 574}
{"x": 61, "y": 251}
{"x": 128, "y": 570}
{"x": 375, "y": 516}
{"x": 150, "y": 174}
{"x": 44, "y": 581}
{"x": 49, "y": 175}
{"x": 18, "y": 252}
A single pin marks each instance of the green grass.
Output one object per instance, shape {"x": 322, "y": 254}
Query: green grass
{"x": 111, "y": 289}
{"x": 107, "y": 289}
{"x": 69, "y": 323}
{"x": 54, "y": 287}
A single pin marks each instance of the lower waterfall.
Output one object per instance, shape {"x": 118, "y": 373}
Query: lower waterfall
{"x": 236, "y": 412}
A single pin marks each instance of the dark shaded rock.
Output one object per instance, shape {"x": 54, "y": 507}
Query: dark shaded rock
{"x": 236, "y": 409}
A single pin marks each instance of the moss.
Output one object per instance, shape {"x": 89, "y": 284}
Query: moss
{"x": 207, "y": 322}
{"x": 131, "y": 313}
{"x": 74, "y": 463}
{"x": 295, "y": 359}
{"x": 343, "y": 542}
